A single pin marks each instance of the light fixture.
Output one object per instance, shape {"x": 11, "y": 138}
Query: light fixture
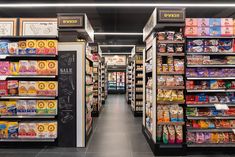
{"x": 119, "y": 5}
{"x": 118, "y": 33}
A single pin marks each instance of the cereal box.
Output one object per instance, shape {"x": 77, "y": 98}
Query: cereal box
{"x": 52, "y": 107}
{"x": 41, "y": 88}
{"x": 227, "y": 31}
{"x": 41, "y": 107}
{"x": 215, "y": 31}
{"x": 215, "y": 22}
{"x": 13, "y": 48}
{"x": 32, "y": 88}
{"x": 52, "y": 67}
{"x": 42, "y": 67}
{"x": 23, "y": 130}
{"x": 32, "y": 67}
{"x": 23, "y": 67}
{"x": 21, "y": 106}
{"x": 12, "y": 128}
{"x": 4, "y": 68}
{"x": 227, "y": 22}
{"x": 51, "y": 47}
{"x": 31, "y": 47}
{"x": 3, "y": 108}
{"x": 3, "y": 88}
{"x": 41, "y": 47}
{"x": 14, "y": 68}
{"x": 3, "y": 47}
{"x": 32, "y": 130}
{"x": 41, "y": 130}
{"x": 3, "y": 129}
{"x": 203, "y": 22}
{"x": 23, "y": 88}
{"x": 52, "y": 87}
{"x": 12, "y": 86}
{"x": 191, "y": 22}
{"x": 203, "y": 31}
{"x": 22, "y": 47}
{"x": 52, "y": 130}
{"x": 31, "y": 107}
{"x": 11, "y": 107}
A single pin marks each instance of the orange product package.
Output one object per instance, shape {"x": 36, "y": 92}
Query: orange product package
{"x": 32, "y": 88}
{"x": 42, "y": 67}
{"x": 51, "y": 47}
{"x": 52, "y": 67}
{"x": 41, "y": 46}
{"x": 52, "y": 87}
{"x": 41, "y": 88}
{"x": 23, "y": 88}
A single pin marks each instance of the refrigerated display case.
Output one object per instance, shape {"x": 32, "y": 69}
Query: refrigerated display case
{"x": 116, "y": 82}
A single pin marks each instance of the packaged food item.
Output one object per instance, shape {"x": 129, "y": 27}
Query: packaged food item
{"x": 3, "y": 47}
{"x": 51, "y": 107}
{"x": 22, "y": 47}
{"x": 195, "y": 48}
{"x": 23, "y": 130}
{"x": 52, "y": 130}
{"x": 180, "y": 115}
{"x": 21, "y": 106}
{"x": 191, "y": 22}
{"x": 170, "y": 35}
{"x": 31, "y": 107}
{"x": 52, "y": 88}
{"x": 161, "y": 35}
{"x": 41, "y": 46}
{"x": 179, "y": 81}
{"x": 13, "y": 48}
{"x": 42, "y": 88}
{"x": 31, "y": 47}
{"x": 12, "y": 128}
{"x": 41, "y": 107}
{"x": 52, "y": 67}
{"x": 23, "y": 67}
{"x": 3, "y": 108}
{"x": 191, "y": 31}
{"x": 165, "y": 136}
{"x": 23, "y": 88}
{"x": 159, "y": 132}
{"x": 162, "y": 48}
{"x": 203, "y": 31}
{"x": 32, "y": 67}
{"x": 32, "y": 88}
{"x": 203, "y": 22}
{"x": 179, "y": 65}
{"x": 211, "y": 49}
{"x": 170, "y": 48}
{"x": 51, "y": 47}
{"x": 215, "y": 22}
{"x": 227, "y": 31}
{"x": 4, "y": 68}
{"x": 42, "y": 67}
{"x": 12, "y": 86}
{"x": 215, "y": 31}
{"x": 171, "y": 131}
{"x": 179, "y": 36}
{"x": 32, "y": 130}
{"x": 14, "y": 68}
{"x": 191, "y": 137}
{"x": 227, "y": 22}
{"x": 3, "y": 129}
{"x": 41, "y": 130}
{"x": 174, "y": 113}
{"x": 214, "y": 84}
{"x": 3, "y": 88}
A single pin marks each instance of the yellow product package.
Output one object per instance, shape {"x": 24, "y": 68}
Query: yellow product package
{"x": 11, "y": 107}
{"x": 42, "y": 67}
{"x": 51, "y": 47}
{"x": 52, "y": 67}
{"x": 14, "y": 68}
{"x": 41, "y": 88}
{"x": 41, "y": 107}
{"x": 3, "y": 129}
{"x": 3, "y": 108}
{"x": 52, "y": 130}
{"x": 41, "y": 46}
{"x": 52, "y": 107}
{"x": 32, "y": 88}
{"x": 41, "y": 130}
{"x": 52, "y": 87}
{"x": 23, "y": 88}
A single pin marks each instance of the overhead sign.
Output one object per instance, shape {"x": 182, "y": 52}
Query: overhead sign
{"x": 71, "y": 21}
{"x": 171, "y": 15}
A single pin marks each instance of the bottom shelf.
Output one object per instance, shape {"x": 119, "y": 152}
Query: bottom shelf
{"x": 212, "y": 145}
{"x": 137, "y": 113}
{"x": 28, "y": 140}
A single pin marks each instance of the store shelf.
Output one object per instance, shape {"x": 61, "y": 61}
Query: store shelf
{"x": 171, "y": 87}
{"x": 28, "y": 97}
{"x": 210, "y": 90}
{"x": 209, "y": 105}
{"x": 210, "y": 37}
{"x": 28, "y": 117}
{"x": 211, "y": 130}
{"x": 170, "y": 102}
{"x": 212, "y": 66}
{"x": 210, "y": 78}
{"x": 170, "y": 123}
{"x": 212, "y": 145}
{"x": 29, "y": 37}
{"x": 170, "y": 54}
{"x": 162, "y": 145}
{"x": 210, "y": 53}
{"x": 28, "y": 140}
{"x": 27, "y": 76}
{"x": 209, "y": 117}
{"x": 170, "y": 42}
{"x": 170, "y": 73}
{"x": 28, "y": 56}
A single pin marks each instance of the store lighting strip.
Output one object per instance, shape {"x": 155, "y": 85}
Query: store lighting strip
{"x": 119, "y": 5}
{"x": 117, "y": 34}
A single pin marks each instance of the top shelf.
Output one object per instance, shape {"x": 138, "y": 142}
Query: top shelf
{"x": 170, "y": 42}
{"x": 210, "y": 37}
{"x": 28, "y": 56}
{"x": 28, "y": 37}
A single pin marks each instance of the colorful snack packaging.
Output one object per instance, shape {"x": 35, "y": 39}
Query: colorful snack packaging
{"x": 13, "y": 48}
{"x": 3, "y": 47}
{"x": 23, "y": 67}
{"x": 3, "y": 88}
{"x": 52, "y": 107}
{"x": 203, "y": 22}
{"x": 165, "y": 136}
{"x": 51, "y": 47}
{"x": 41, "y": 88}
{"x": 227, "y": 31}
{"x": 32, "y": 130}
{"x": 52, "y": 88}
{"x": 203, "y": 31}
{"x": 215, "y": 31}
{"x": 12, "y": 86}
{"x": 3, "y": 108}
{"x": 32, "y": 88}
{"x": 3, "y": 129}
{"x": 41, "y": 107}
{"x": 32, "y": 67}
{"x": 191, "y": 22}
{"x": 12, "y": 128}
{"x": 41, "y": 47}
{"x": 41, "y": 130}
{"x": 11, "y": 107}
{"x": 22, "y": 47}
{"x": 4, "y": 68}
{"x": 52, "y": 67}
{"x": 23, "y": 130}
{"x": 42, "y": 67}
{"x": 14, "y": 68}
{"x": 191, "y": 31}
{"x": 31, "y": 107}
{"x": 21, "y": 106}
{"x": 52, "y": 130}
{"x": 227, "y": 22}
{"x": 31, "y": 47}
{"x": 171, "y": 131}
{"x": 23, "y": 88}
{"x": 214, "y": 22}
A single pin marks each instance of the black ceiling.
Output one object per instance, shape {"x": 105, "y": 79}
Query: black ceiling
{"x": 113, "y": 19}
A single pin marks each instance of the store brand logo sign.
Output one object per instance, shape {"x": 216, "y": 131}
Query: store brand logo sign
{"x": 71, "y": 21}
{"x": 171, "y": 15}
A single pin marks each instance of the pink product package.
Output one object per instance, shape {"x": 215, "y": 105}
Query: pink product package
{"x": 203, "y": 22}
{"x": 191, "y": 31}
{"x": 191, "y": 22}
{"x": 227, "y": 31}
{"x": 227, "y": 22}
{"x": 203, "y": 31}
{"x": 4, "y": 68}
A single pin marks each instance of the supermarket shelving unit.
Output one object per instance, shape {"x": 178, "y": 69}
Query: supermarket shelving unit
{"x": 103, "y": 82}
{"x": 128, "y": 81}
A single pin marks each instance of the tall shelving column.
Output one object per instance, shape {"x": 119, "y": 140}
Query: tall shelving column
{"x": 128, "y": 82}
{"x": 103, "y": 68}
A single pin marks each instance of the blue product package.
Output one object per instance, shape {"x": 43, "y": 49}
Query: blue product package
{"x": 3, "y": 47}
{"x": 215, "y": 31}
{"x": 213, "y": 22}
{"x": 12, "y": 129}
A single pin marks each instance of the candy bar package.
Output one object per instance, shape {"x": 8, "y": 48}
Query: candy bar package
{"x": 227, "y": 31}
{"x": 179, "y": 36}
{"x": 3, "y": 47}
{"x": 227, "y": 22}
{"x": 214, "y": 22}
{"x": 195, "y": 42}
{"x": 13, "y": 48}
{"x": 203, "y": 31}
{"x": 191, "y": 31}
{"x": 211, "y": 42}
{"x": 191, "y": 22}
{"x": 4, "y": 68}
{"x": 215, "y": 31}
{"x": 203, "y": 22}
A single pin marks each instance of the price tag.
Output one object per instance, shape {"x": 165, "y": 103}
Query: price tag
{"x": 221, "y": 107}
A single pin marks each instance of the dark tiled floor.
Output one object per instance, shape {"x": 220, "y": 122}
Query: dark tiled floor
{"x": 116, "y": 134}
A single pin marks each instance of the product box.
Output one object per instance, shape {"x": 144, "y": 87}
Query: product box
{"x": 21, "y": 106}
{"x": 41, "y": 107}
{"x": 215, "y": 31}
{"x": 32, "y": 130}
{"x": 3, "y": 108}
{"x": 41, "y": 67}
{"x": 23, "y": 130}
{"x": 32, "y": 67}
{"x": 11, "y": 107}
{"x": 52, "y": 130}
{"x": 32, "y": 88}
{"x": 227, "y": 22}
{"x": 203, "y": 31}
{"x": 31, "y": 47}
{"x": 203, "y": 22}
{"x": 51, "y": 47}
{"x": 52, "y": 87}
{"x": 12, "y": 129}
{"x": 41, "y": 88}
{"x": 31, "y": 108}
{"x": 3, "y": 88}
{"x": 3, "y": 47}
{"x": 41, "y": 130}
{"x": 13, "y": 48}
{"x": 52, "y": 67}
{"x": 12, "y": 86}
{"x": 215, "y": 22}
{"x": 4, "y": 68}
{"x": 52, "y": 107}
{"x": 191, "y": 22}
{"x": 227, "y": 31}
{"x": 23, "y": 67}
{"x": 14, "y": 68}
{"x": 23, "y": 88}
{"x": 41, "y": 46}
{"x": 191, "y": 31}
{"x": 22, "y": 47}
{"x": 3, "y": 129}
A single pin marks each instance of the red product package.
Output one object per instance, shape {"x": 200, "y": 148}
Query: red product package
{"x": 3, "y": 88}
{"x": 4, "y": 68}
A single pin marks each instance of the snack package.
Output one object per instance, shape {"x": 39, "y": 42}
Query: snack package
{"x": 3, "y": 88}
{"x": 52, "y": 130}
{"x": 180, "y": 115}
{"x": 200, "y": 137}
{"x": 32, "y": 130}
{"x": 52, "y": 67}
{"x": 42, "y": 67}
{"x": 12, "y": 86}
{"x": 32, "y": 67}
{"x": 226, "y": 31}
{"x": 162, "y": 48}
{"x": 3, "y": 130}
{"x": 41, "y": 130}
{"x": 171, "y": 131}
{"x": 23, "y": 88}
{"x": 14, "y": 68}
{"x": 3, "y": 47}
{"x": 227, "y": 22}
{"x": 165, "y": 136}
{"x": 31, "y": 107}
{"x": 11, "y": 107}
{"x": 51, "y": 107}
{"x": 23, "y": 130}
{"x": 13, "y": 48}
{"x": 195, "y": 48}
{"x": 170, "y": 35}
{"x": 191, "y": 31}
{"x": 3, "y": 108}
{"x": 4, "y": 68}
{"x": 32, "y": 88}
{"x": 52, "y": 88}
{"x": 159, "y": 133}
{"x": 191, "y": 137}
{"x": 161, "y": 35}
{"x": 31, "y": 47}
{"x": 42, "y": 88}
{"x": 22, "y": 47}
{"x": 211, "y": 42}
{"x": 203, "y": 22}
{"x": 179, "y": 36}
{"x": 214, "y": 22}
{"x": 195, "y": 42}
{"x": 191, "y": 22}
{"x": 170, "y": 48}
{"x": 23, "y": 67}
{"x": 41, "y": 107}
{"x": 12, "y": 128}
{"x": 21, "y": 106}
{"x": 173, "y": 113}
{"x": 41, "y": 47}
{"x": 51, "y": 47}
{"x": 215, "y": 31}
{"x": 211, "y": 49}
{"x": 203, "y": 31}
